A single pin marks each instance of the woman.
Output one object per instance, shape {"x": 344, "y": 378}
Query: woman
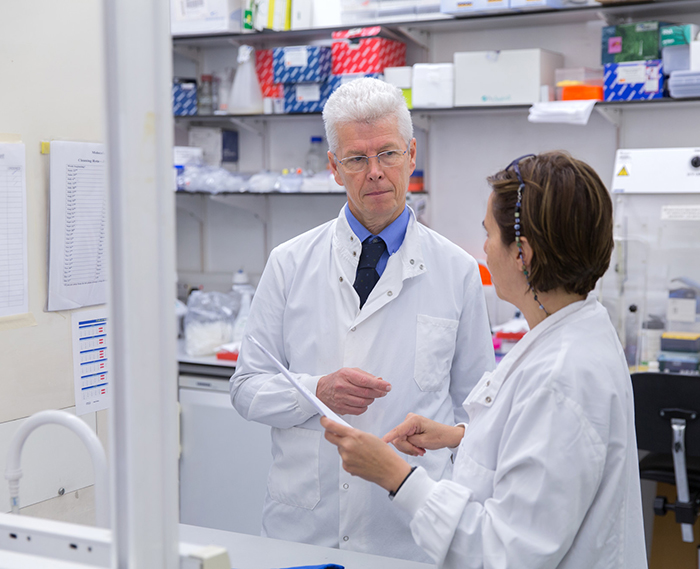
{"x": 546, "y": 472}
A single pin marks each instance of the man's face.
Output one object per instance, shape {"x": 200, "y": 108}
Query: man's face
{"x": 376, "y": 195}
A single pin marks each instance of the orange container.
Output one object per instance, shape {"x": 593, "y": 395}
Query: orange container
{"x": 581, "y": 92}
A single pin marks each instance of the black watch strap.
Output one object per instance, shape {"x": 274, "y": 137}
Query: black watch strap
{"x": 392, "y": 494}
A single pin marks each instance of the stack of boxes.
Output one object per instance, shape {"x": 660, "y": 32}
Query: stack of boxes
{"x": 304, "y": 71}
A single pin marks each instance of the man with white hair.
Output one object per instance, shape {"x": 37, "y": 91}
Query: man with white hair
{"x": 373, "y": 312}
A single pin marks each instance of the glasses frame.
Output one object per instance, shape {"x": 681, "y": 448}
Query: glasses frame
{"x": 377, "y": 156}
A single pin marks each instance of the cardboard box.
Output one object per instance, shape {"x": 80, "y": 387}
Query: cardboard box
{"x": 678, "y": 35}
{"x": 631, "y": 42}
{"x": 457, "y": 7}
{"x": 264, "y": 71}
{"x": 433, "y": 85}
{"x": 364, "y": 50}
{"x": 184, "y": 97}
{"x": 206, "y": 17}
{"x": 634, "y": 80}
{"x": 506, "y": 77}
{"x": 301, "y": 64}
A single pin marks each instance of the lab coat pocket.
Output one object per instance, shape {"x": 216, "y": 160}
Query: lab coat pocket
{"x": 294, "y": 475}
{"x": 474, "y": 476}
{"x": 435, "y": 348}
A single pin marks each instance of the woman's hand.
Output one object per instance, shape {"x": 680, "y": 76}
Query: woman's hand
{"x": 416, "y": 434}
{"x": 367, "y": 456}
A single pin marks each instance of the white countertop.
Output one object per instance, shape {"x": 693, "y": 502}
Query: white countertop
{"x": 204, "y": 360}
{"x": 254, "y": 552}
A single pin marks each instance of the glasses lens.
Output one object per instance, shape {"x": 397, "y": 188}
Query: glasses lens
{"x": 355, "y": 163}
{"x": 391, "y": 157}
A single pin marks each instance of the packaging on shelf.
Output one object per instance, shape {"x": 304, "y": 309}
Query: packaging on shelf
{"x": 184, "y": 97}
{"x": 433, "y": 85}
{"x": 681, "y": 34}
{"x": 631, "y": 42}
{"x": 684, "y": 84}
{"x": 338, "y": 80}
{"x": 457, "y": 7}
{"x": 365, "y": 50}
{"x": 264, "y": 70}
{"x": 525, "y": 4}
{"x": 271, "y": 14}
{"x": 306, "y": 97}
{"x": 567, "y": 79}
{"x": 506, "y": 77}
{"x": 301, "y": 64}
{"x": 675, "y": 46}
{"x": 634, "y": 80}
{"x": 401, "y": 77}
{"x": 206, "y": 16}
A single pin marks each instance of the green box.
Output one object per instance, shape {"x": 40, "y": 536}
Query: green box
{"x": 682, "y": 34}
{"x": 631, "y": 42}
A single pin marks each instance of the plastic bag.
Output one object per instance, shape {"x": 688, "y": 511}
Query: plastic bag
{"x": 209, "y": 321}
{"x": 246, "y": 95}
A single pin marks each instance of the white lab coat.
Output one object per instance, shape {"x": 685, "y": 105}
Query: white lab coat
{"x": 547, "y": 473}
{"x": 424, "y": 329}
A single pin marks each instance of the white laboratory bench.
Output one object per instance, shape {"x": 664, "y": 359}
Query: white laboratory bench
{"x": 254, "y": 552}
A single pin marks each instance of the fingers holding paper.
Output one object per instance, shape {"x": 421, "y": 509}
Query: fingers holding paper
{"x": 366, "y": 456}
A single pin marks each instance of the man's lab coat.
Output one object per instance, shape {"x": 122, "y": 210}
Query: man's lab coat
{"x": 424, "y": 329}
{"x": 547, "y": 472}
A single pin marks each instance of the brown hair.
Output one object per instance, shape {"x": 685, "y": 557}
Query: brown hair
{"x": 566, "y": 217}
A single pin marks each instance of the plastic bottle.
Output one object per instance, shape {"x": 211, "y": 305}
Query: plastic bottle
{"x": 316, "y": 159}
{"x": 241, "y": 320}
{"x": 204, "y": 97}
{"x": 246, "y": 96}
{"x": 241, "y": 284}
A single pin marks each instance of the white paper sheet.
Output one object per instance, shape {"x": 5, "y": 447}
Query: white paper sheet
{"x": 310, "y": 397}
{"x": 91, "y": 360}
{"x": 77, "y": 241}
{"x": 14, "y": 297}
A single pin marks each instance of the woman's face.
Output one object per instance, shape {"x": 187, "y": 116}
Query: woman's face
{"x": 502, "y": 260}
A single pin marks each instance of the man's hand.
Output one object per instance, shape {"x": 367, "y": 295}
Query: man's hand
{"x": 367, "y": 456}
{"x": 416, "y": 434}
{"x": 349, "y": 391}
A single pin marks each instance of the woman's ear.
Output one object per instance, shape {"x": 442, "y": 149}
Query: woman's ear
{"x": 527, "y": 251}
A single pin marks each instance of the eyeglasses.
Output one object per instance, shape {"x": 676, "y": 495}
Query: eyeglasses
{"x": 388, "y": 158}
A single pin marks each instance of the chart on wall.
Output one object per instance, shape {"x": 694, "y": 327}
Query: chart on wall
{"x": 13, "y": 231}
{"x": 91, "y": 360}
{"x": 77, "y": 219}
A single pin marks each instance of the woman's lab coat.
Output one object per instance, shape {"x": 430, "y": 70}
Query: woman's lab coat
{"x": 424, "y": 329}
{"x": 547, "y": 474}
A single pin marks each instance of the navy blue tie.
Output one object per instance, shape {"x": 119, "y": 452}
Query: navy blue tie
{"x": 367, "y": 275}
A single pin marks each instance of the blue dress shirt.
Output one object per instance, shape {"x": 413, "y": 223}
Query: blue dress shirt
{"x": 393, "y": 235}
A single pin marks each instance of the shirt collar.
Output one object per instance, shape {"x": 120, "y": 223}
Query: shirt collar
{"x": 393, "y": 235}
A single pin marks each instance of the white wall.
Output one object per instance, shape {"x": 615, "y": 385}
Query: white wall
{"x": 52, "y": 73}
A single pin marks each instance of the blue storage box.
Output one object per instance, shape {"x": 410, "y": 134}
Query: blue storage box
{"x": 301, "y": 64}
{"x": 307, "y": 97}
{"x": 634, "y": 80}
{"x": 338, "y": 80}
{"x": 184, "y": 97}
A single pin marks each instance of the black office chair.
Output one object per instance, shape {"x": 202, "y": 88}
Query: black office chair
{"x": 667, "y": 420}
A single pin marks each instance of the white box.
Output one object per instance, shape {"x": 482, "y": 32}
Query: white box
{"x": 433, "y": 85}
{"x": 206, "y": 16}
{"x": 524, "y": 4}
{"x": 695, "y": 55}
{"x": 302, "y": 14}
{"x": 468, "y": 6}
{"x": 506, "y": 77}
{"x": 401, "y": 77}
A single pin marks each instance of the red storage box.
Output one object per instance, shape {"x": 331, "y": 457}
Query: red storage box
{"x": 263, "y": 68}
{"x": 364, "y": 50}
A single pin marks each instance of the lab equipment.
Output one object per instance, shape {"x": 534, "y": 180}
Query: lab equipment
{"x": 316, "y": 159}
{"x": 310, "y": 397}
{"x": 246, "y": 96}
{"x": 209, "y": 321}
{"x": 204, "y": 101}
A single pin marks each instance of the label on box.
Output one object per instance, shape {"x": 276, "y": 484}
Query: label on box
{"x": 310, "y": 93}
{"x": 297, "y": 56}
{"x": 681, "y": 309}
{"x": 631, "y": 74}
{"x": 651, "y": 84}
{"x": 615, "y": 45}
{"x": 680, "y": 213}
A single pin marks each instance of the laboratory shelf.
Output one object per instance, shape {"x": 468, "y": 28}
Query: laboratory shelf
{"x": 186, "y": 193}
{"x": 404, "y": 29}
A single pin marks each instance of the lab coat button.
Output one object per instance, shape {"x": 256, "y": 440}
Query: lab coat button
{"x": 345, "y": 538}
{"x": 354, "y": 253}
{"x": 341, "y": 279}
{"x": 421, "y": 267}
{"x": 488, "y": 400}
{"x": 488, "y": 383}
{"x": 389, "y": 293}
{"x": 346, "y": 486}
{"x": 353, "y": 329}
{"x": 411, "y": 261}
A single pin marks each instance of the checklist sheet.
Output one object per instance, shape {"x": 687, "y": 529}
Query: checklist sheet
{"x": 13, "y": 231}
{"x": 78, "y": 215}
{"x": 91, "y": 360}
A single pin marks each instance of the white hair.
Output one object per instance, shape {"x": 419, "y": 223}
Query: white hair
{"x": 365, "y": 100}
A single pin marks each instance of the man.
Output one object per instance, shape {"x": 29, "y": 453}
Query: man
{"x": 378, "y": 316}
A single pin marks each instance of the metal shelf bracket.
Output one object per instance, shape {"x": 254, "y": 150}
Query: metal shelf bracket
{"x": 613, "y": 116}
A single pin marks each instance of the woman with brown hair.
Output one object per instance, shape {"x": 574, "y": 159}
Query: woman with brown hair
{"x": 546, "y": 472}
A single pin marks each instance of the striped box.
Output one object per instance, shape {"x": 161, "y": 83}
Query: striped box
{"x": 634, "y": 80}
{"x": 301, "y": 64}
{"x": 263, "y": 68}
{"x": 363, "y": 50}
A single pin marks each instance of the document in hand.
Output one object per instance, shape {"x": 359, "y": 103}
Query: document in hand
{"x": 310, "y": 397}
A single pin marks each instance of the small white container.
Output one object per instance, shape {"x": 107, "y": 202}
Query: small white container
{"x": 433, "y": 85}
